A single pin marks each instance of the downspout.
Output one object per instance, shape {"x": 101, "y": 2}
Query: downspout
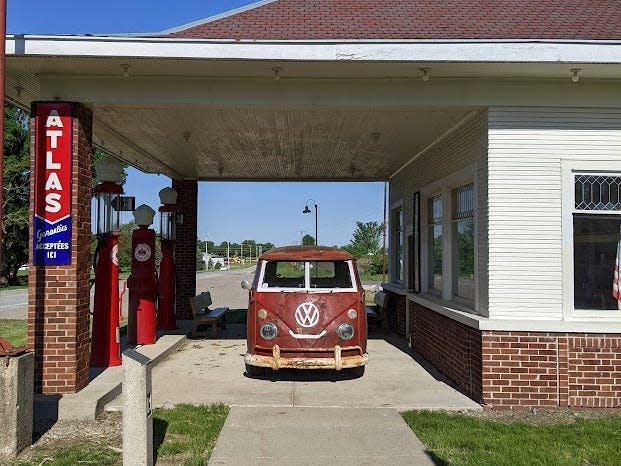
{"x": 2, "y": 72}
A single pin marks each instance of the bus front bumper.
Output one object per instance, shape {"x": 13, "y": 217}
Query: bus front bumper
{"x": 337, "y": 362}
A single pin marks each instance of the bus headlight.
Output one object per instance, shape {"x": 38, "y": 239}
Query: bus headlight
{"x": 345, "y": 331}
{"x": 268, "y": 331}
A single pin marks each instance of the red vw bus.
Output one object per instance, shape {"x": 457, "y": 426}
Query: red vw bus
{"x": 306, "y": 311}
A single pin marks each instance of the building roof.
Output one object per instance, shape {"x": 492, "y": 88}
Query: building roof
{"x": 412, "y": 19}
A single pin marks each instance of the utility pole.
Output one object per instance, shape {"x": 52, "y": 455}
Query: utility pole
{"x": 228, "y": 255}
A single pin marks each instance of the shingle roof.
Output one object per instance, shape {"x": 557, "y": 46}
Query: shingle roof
{"x": 414, "y": 19}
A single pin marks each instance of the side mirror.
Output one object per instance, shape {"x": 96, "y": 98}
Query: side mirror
{"x": 245, "y": 285}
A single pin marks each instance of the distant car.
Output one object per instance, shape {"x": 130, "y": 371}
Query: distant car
{"x": 306, "y": 311}
{"x": 224, "y": 269}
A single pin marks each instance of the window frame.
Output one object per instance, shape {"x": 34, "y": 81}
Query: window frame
{"x": 570, "y": 168}
{"x": 446, "y": 185}
{"x": 395, "y": 254}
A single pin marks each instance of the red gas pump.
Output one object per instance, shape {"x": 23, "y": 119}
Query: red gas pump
{"x": 142, "y": 283}
{"x": 167, "y": 282}
{"x": 105, "y": 340}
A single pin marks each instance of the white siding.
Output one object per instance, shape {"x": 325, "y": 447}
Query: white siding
{"x": 526, "y": 148}
{"x": 465, "y": 146}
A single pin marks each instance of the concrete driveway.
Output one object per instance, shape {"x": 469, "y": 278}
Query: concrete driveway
{"x": 210, "y": 371}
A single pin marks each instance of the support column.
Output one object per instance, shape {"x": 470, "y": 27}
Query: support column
{"x": 185, "y": 246}
{"x": 58, "y": 295}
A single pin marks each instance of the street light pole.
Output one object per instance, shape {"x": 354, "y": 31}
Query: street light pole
{"x": 307, "y": 211}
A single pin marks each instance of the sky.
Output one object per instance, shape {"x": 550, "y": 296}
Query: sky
{"x": 227, "y": 211}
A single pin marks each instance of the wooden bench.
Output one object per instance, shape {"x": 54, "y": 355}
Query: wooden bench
{"x": 202, "y": 316}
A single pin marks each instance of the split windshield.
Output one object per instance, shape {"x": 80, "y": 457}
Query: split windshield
{"x": 311, "y": 274}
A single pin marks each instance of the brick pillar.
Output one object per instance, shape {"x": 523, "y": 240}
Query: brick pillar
{"x": 185, "y": 247}
{"x": 58, "y": 296}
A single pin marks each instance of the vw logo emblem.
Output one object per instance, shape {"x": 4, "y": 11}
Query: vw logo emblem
{"x": 307, "y": 315}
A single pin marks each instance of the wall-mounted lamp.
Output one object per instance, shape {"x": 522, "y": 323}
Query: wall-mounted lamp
{"x": 186, "y": 136}
{"x": 125, "y": 69}
{"x": 425, "y": 72}
{"x": 574, "y": 74}
{"x": 277, "y": 70}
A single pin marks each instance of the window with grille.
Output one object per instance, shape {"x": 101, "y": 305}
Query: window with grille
{"x": 463, "y": 243}
{"x": 596, "y": 238}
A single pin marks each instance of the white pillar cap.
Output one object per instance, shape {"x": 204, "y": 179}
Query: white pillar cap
{"x": 143, "y": 215}
{"x": 168, "y": 196}
{"x": 109, "y": 170}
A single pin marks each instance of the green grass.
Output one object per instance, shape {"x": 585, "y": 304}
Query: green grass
{"x": 184, "y": 435}
{"x": 14, "y": 331}
{"x": 188, "y": 432}
{"x": 463, "y": 440}
{"x": 100, "y": 456}
{"x": 377, "y": 277}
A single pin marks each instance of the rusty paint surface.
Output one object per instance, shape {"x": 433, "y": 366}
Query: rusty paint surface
{"x": 7, "y": 349}
{"x": 305, "y": 253}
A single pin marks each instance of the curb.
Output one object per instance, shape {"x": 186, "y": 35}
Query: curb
{"x": 89, "y": 402}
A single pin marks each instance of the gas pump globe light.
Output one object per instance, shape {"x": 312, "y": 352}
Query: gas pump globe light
{"x": 168, "y": 214}
{"x": 109, "y": 170}
{"x": 143, "y": 215}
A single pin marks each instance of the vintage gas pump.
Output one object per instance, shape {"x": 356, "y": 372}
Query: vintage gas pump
{"x": 142, "y": 283}
{"x": 167, "y": 282}
{"x": 105, "y": 341}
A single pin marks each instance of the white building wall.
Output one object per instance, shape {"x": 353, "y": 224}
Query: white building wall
{"x": 527, "y": 146}
{"x": 462, "y": 151}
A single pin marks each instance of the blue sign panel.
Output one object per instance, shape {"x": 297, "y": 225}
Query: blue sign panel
{"x": 52, "y": 242}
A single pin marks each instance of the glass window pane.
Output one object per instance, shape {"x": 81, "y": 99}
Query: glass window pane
{"x": 435, "y": 263}
{"x": 595, "y": 249}
{"x": 597, "y": 192}
{"x": 328, "y": 274}
{"x": 283, "y": 275}
{"x": 465, "y": 259}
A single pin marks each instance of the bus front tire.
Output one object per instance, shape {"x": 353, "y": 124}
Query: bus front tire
{"x": 254, "y": 371}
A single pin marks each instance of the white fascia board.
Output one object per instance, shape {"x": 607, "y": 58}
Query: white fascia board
{"x": 337, "y": 51}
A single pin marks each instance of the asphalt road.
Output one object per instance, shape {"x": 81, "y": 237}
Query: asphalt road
{"x": 224, "y": 287}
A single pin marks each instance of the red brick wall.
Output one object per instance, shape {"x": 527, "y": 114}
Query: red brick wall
{"x": 452, "y": 347}
{"x": 396, "y": 313}
{"x": 185, "y": 247}
{"x": 521, "y": 369}
{"x": 58, "y": 296}
{"x": 552, "y": 369}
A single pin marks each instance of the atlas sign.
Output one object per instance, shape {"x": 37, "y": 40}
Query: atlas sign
{"x": 52, "y": 178}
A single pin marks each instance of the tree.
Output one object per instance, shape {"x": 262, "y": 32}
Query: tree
{"x": 200, "y": 252}
{"x": 366, "y": 239}
{"x": 308, "y": 240}
{"x": 16, "y": 193}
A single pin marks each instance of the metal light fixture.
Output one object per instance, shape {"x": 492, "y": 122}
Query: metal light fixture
{"x": 277, "y": 70}
{"x": 425, "y": 72}
{"x": 574, "y": 74}
{"x": 125, "y": 69}
{"x": 308, "y": 211}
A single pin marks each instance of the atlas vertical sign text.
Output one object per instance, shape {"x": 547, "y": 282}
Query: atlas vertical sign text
{"x": 52, "y": 177}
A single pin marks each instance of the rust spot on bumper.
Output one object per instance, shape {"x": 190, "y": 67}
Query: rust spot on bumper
{"x": 276, "y": 361}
